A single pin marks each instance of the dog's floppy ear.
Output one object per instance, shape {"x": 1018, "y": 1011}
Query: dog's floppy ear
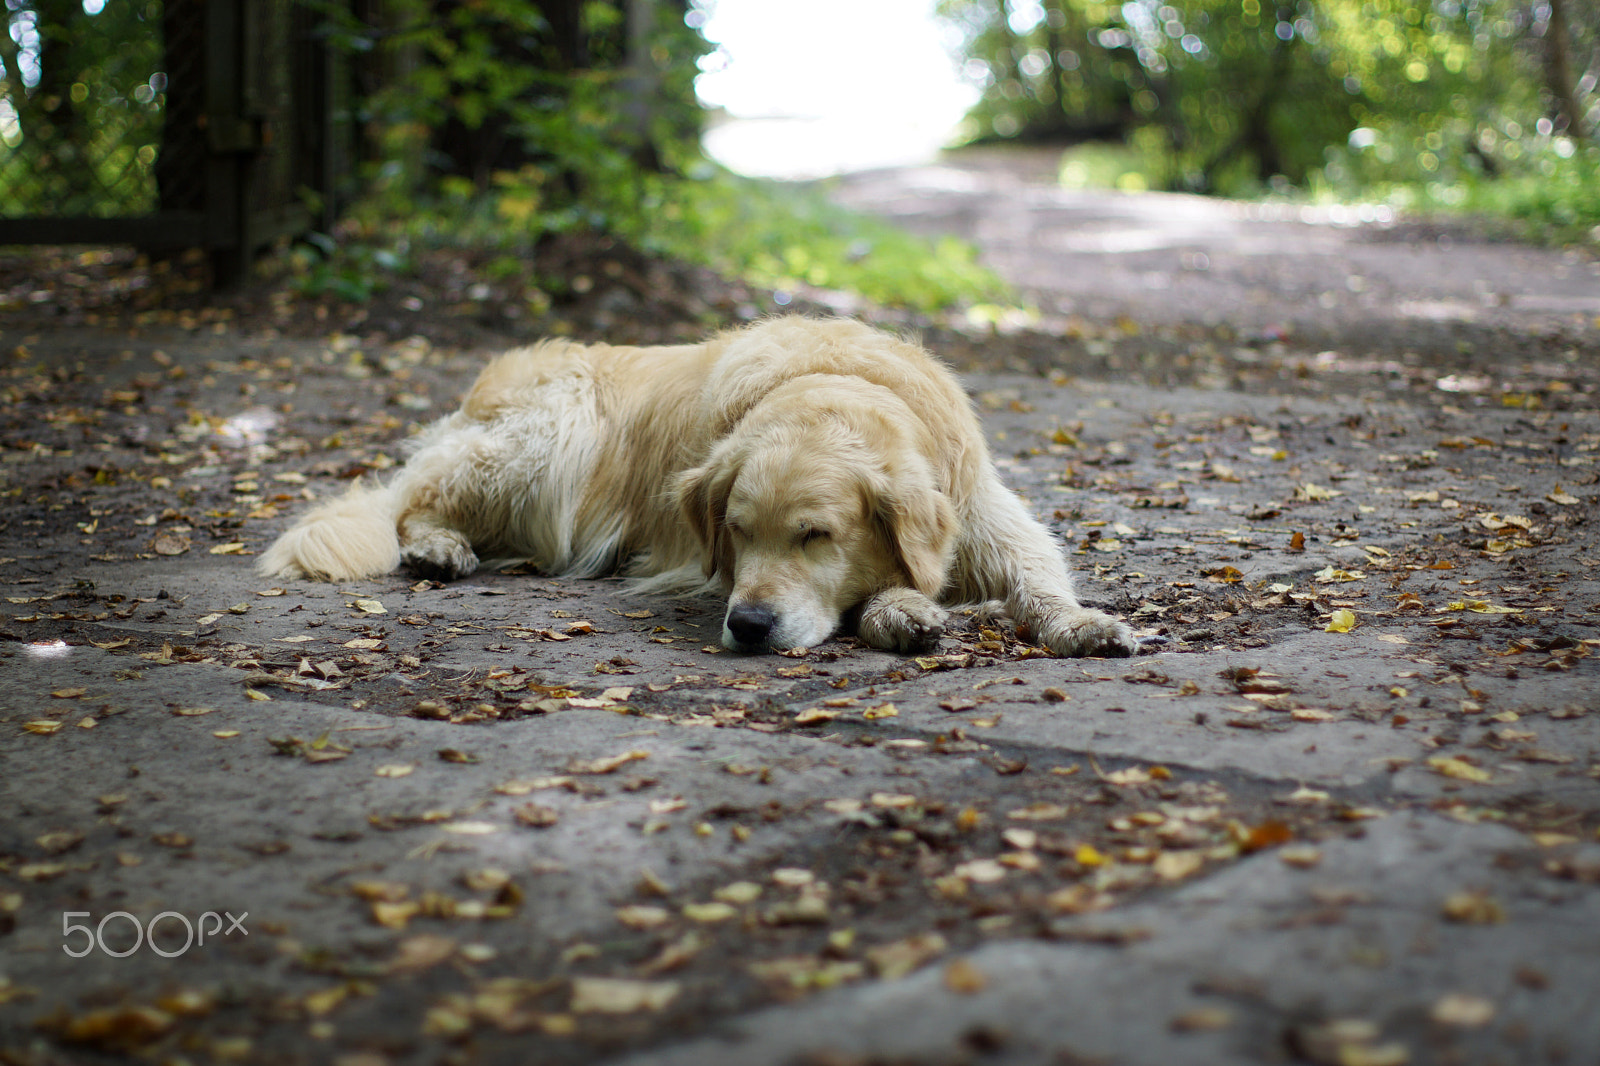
{"x": 921, "y": 526}
{"x": 703, "y": 499}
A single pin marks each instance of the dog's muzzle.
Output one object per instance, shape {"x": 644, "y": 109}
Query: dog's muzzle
{"x": 750, "y": 625}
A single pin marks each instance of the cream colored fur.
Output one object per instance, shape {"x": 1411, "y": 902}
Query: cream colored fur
{"x": 814, "y": 471}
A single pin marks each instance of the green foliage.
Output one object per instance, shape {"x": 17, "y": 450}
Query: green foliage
{"x": 1552, "y": 195}
{"x": 472, "y": 90}
{"x": 771, "y": 234}
{"x": 81, "y": 104}
{"x": 1243, "y": 97}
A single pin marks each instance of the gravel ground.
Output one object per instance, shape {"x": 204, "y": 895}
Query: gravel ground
{"x": 1348, "y": 813}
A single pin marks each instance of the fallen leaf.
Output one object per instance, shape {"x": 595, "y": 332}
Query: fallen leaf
{"x": 981, "y": 871}
{"x": 1308, "y": 491}
{"x": 395, "y": 914}
{"x": 606, "y": 765}
{"x": 815, "y": 715}
{"x": 370, "y": 607}
{"x": 320, "y": 1003}
{"x": 534, "y": 784}
{"x": 1312, "y": 714}
{"x": 738, "y": 892}
{"x": 1473, "y": 908}
{"x": 1478, "y": 607}
{"x": 964, "y": 979}
{"x": 716, "y": 911}
{"x": 1177, "y": 865}
{"x": 395, "y": 769}
{"x": 615, "y": 995}
{"x": 169, "y": 543}
{"x": 1201, "y": 1020}
{"x": 1341, "y": 621}
{"x": 1459, "y": 769}
{"x": 62, "y": 840}
{"x": 536, "y": 815}
{"x": 115, "y": 1029}
{"x": 893, "y": 961}
{"x": 1563, "y": 497}
{"x": 421, "y": 952}
{"x": 1462, "y": 1011}
{"x": 1331, "y": 574}
{"x": 643, "y": 916}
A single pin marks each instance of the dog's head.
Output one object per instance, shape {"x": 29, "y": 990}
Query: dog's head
{"x": 821, "y": 496}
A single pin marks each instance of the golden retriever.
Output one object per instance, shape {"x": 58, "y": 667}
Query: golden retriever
{"x": 821, "y": 474}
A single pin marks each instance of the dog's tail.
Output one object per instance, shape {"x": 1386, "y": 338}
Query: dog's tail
{"x": 351, "y": 537}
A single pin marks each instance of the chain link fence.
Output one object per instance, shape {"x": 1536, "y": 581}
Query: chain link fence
{"x": 219, "y": 124}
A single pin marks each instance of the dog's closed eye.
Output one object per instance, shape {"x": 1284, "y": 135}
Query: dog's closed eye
{"x": 812, "y": 535}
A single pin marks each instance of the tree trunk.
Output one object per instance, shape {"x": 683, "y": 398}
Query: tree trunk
{"x": 1558, "y": 70}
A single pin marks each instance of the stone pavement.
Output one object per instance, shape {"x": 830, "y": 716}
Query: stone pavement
{"x": 1349, "y": 814}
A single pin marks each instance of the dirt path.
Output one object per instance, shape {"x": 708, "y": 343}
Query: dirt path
{"x": 1347, "y": 278}
{"x": 1350, "y": 812}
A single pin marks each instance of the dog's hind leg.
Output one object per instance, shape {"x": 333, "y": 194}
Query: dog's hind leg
{"x": 343, "y": 539}
{"x": 1009, "y": 556}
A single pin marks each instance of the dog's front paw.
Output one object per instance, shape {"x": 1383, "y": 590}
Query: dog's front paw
{"x": 440, "y": 555}
{"x": 1081, "y": 631}
{"x": 902, "y": 620}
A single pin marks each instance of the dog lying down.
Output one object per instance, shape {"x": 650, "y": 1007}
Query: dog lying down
{"x": 822, "y": 474}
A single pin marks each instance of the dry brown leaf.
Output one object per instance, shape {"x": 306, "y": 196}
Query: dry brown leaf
{"x": 964, "y": 979}
{"x": 609, "y": 764}
{"x": 893, "y": 961}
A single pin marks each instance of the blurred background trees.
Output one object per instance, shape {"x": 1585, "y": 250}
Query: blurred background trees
{"x": 1354, "y": 97}
{"x": 515, "y": 121}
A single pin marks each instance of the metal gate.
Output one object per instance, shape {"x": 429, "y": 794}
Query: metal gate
{"x": 170, "y": 124}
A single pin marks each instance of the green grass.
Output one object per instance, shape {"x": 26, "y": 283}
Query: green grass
{"x": 784, "y": 236}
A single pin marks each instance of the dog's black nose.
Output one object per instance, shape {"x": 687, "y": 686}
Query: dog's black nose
{"x": 750, "y": 623}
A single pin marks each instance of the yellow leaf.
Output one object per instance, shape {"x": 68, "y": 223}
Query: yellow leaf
{"x": 1341, "y": 621}
{"x": 1086, "y": 855}
{"x": 1458, "y": 769}
{"x": 1309, "y": 491}
{"x": 813, "y": 715}
{"x": 1330, "y": 574}
{"x": 233, "y": 548}
{"x": 1479, "y": 607}
{"x": 370, "y": 607}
